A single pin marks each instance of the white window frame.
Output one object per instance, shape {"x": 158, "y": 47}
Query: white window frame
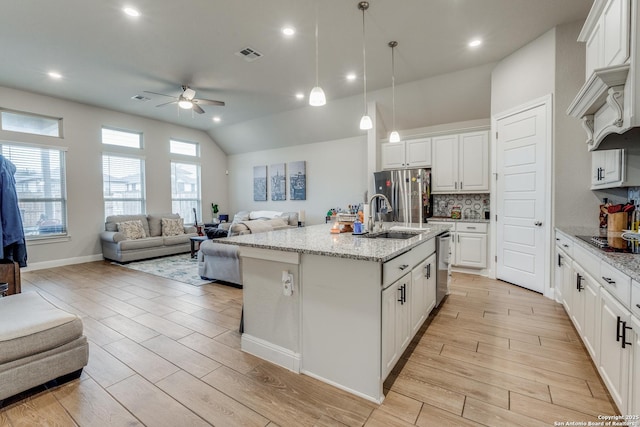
{"x": 25, "y": 114}
{"x": 139, "y": 147}
{"x": 196, "y": 146}
{"x": 143, "y": 197}
{"x": 32, "y": 233}
{"x": 198, "y": 200}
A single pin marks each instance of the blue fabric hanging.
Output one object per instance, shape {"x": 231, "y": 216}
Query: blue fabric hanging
{"x": 12, "y": 235}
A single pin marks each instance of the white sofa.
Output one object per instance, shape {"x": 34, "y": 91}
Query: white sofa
{"x": 217, "y": 261}
{"x": 116, "y": 246}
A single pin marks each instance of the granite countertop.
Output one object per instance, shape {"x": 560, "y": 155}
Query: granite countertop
{"x": 447, "y": 219}
{"x": 629, "y": 264}
{"x": 318, "y": 240}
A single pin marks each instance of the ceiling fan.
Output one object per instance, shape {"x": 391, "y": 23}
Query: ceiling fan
{"x": 187, "y": 100}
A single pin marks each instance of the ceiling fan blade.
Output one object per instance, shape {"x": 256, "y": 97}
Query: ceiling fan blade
{"x": 208, "y": 102}
{"x": 161, "y": 94}
{"x": 166, "y": 103}
{"x": 197, "y": 109}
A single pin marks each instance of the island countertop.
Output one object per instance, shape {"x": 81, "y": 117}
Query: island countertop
{"x": 318, "y": 240}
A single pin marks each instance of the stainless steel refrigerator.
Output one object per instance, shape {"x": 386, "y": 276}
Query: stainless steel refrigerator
{"x": 408, "y": 191}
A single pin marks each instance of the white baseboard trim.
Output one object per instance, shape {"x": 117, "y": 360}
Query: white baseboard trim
{"x": 271, "y": 352}
{"x": 347, "y": 389}
{"x": 61, "y": 262}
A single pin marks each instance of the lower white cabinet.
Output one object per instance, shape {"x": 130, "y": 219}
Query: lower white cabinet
{"x": 468, "y": 244}
{"x": 406, "y": 304}
{"x": 563, "y": 279}
{"x": 396, "y": 321}
{"x": 634, "y": 400}
{"x": 590, "y": 328}
{"x": 615, "y": 353}
{"x": 423, "y": 292}
{"x": 577, "y": 299}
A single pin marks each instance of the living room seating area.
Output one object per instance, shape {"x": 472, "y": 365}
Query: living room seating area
{"x": 134, "y": 237}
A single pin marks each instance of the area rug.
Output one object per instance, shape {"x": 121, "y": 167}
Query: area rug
{"x": 181, "y": 268}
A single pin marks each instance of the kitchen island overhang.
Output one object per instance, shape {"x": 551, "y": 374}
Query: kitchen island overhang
{"x": 331, "y": 325}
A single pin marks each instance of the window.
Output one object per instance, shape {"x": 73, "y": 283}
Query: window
{"x": 121, "y": 138}
{"x": 185, "y": 190}
{"x": 30, "y": 123}
{"x": 184, "y": 148}
{"x": 40, "y": 184}
{"x": 123, "y": 185}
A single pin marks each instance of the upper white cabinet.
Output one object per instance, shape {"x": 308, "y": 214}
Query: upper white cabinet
{"x": 460, "y": 163}
{"x": 414, "y": 153}
{"x": 608, "y": 100}
{"x": 607, "y": 35}
{"x": 611, "y": 168}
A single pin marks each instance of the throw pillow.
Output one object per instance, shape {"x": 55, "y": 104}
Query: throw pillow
{"x": 131, "y": 229}
{"x": 172, "y": 226}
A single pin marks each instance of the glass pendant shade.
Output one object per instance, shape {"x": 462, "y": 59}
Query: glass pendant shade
{"x": 366, "y": 123}
{"x": 185, "y": 104}
{"x": 394, "y": 136}
{"x": 316, "y": 97}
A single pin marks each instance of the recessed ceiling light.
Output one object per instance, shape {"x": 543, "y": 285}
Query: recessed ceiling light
{"x": 351, "y": 76}
{"x": 288, "y": 31}
{"x": 131, "y": 12}
{"x": 54, "y": 75}
{"x": 475, "y": 43}
{"x": 216, "y": 119}
{"x": 300, "y": 95}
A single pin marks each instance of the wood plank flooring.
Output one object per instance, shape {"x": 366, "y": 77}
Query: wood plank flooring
{"x": 163, "y": 353}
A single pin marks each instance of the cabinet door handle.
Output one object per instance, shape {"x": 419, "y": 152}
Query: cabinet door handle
{"x": 427, "y": 269}
{"x": 579, "y": 282}
{"x": 456, "y": 185}
{"x": 638, "y": 305}
{"x": 461, "y": 185}
{"x": 618, "y": 333}
{"x": 400, "y": 300}
{"x": 559, "y": 260}
{"x": 609, "y": 280}
{"x": 403, "y": 266}
{"x": 471, "y": 228}
{"x": 624, "y": 335}
{"x": 564, "y": 245}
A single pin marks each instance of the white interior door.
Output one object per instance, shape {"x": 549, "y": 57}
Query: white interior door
{"x": 522, "y": 141}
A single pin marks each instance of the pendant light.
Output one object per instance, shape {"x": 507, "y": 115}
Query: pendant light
{"x": 316, "y": 97}
{"x": 365, "y": 121}
{"x": 394, "y": 136}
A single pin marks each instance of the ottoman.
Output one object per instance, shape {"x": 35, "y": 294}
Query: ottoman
{"x": 38, "y": 343}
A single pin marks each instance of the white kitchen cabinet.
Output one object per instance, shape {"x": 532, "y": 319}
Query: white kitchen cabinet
{"x": 469, "y": 245}
{"x": 396, "y": 325}
{"x": 634, "y": 398}
{"x": 460, "y": 163}
{"x": 423, "y": 292}
{"x": 607, "y": 102}
{"x": 614, "y": 364}
{"x": 412, "y": 153}
{"x": 577, "y": 300}
{"x": 607, "y": 41}
{"x": 591, "y": 324}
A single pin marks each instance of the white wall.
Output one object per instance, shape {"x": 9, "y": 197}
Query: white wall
{"x": 336, "y": 177}
{"x": 525, "y": 75}
{"x": 574, "y": 203}
{"x": 85, "y": 209}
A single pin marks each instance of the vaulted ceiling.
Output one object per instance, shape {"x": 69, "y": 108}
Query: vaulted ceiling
{"x": 106, "y": 57}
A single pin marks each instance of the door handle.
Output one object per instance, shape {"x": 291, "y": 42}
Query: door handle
{"x": 538, "y": 223}
{"x": 579, "y": 282}
{"x": 624, "y": 335}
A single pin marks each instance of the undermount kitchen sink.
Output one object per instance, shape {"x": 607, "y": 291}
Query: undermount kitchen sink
{"x": 390, "y": 235}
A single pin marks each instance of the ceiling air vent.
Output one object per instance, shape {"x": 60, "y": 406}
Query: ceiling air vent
{"x": 249, "y": 54}
{"x": 140, "y": 98}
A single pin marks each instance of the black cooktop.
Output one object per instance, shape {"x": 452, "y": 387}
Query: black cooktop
{"x": 613, "y": 244}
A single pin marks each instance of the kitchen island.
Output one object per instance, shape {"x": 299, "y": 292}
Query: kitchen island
{"x": 338, "y": 307}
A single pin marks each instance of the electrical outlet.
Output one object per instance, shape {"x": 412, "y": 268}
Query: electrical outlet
{"x": 287, "y": 283}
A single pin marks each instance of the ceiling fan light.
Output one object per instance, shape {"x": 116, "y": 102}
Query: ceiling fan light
{"x": 185, "y": 104}
{"x": 316, "y": 97}
{"x": 394, "y": 136}
{"x": 366, "y": 123}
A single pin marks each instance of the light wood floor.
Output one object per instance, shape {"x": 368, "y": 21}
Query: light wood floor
{"x": 163, "y": 353}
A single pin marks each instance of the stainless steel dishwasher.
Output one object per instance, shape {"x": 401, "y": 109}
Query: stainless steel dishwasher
{"x": 443, "y": 258}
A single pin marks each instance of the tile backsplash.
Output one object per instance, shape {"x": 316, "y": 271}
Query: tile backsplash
{"x": 473, "y": 206}
{"x": 634, "y": 194}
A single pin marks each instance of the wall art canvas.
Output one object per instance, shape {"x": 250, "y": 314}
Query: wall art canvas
{"x": 278, "y": 180}
{"x": 260, "y": 183}
{"x": 298, "y": 180}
